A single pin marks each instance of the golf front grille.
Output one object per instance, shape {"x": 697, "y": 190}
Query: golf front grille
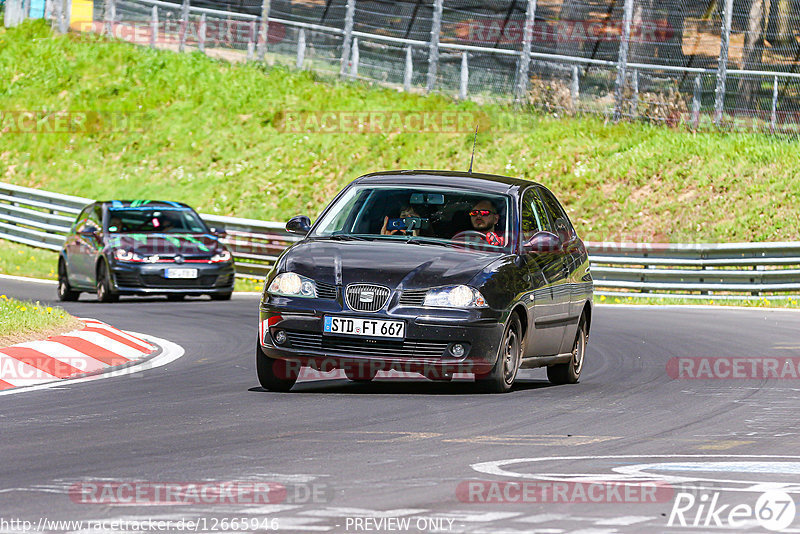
{"x": 366, "y": 297}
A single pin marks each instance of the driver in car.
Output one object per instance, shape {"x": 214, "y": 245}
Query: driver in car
{"x": 484, "y": 218}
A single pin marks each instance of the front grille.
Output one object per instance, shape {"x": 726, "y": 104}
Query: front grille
{"x": 158, "y": 281}
{"x": 326, "y": 291}
{"x": 366, "y": 297}
{"x": 366, "y": 347}
{"x": 413, "y": 297}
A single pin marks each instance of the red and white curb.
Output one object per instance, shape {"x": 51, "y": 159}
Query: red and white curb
{"x": 81, "y": 354}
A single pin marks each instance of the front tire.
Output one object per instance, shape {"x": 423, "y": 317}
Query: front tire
{"x": 570, "y": 372}
{"x": 501, "y": 378}
{"x": 104, "y": 291}
{"x": 274, "y": 375}
{"x": 65, "y": 291}
{"x": 221, "y": 296}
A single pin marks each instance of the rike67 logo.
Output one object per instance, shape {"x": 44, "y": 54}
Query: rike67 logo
{"x": 773, "y": 510}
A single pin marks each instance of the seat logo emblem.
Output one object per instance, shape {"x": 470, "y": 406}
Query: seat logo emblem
{"x": 366, "y": 296}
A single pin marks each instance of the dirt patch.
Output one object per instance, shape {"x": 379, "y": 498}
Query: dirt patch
{"x": 36, "y": 335}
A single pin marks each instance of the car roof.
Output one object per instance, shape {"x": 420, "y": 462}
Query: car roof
{"x": 470, "y": 180}
{"x": 156, "y": 204}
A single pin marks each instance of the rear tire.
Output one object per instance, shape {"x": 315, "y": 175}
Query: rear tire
{"x": 104, "y": 291}
{"x": 175, "y": 297}
{"x": 274, "y": 375}
{"x": 221, "y": 296}
{"x": 509, "y": 355}
{"x": 570, "y": 372}
{"x": 65, "y": 291}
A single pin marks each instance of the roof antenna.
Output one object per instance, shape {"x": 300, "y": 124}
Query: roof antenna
{"x": 472, "y": 158}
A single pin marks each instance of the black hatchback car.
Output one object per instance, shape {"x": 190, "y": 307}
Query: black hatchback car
{"x": 143, "y": 247}
{"x": 429, "y": 272}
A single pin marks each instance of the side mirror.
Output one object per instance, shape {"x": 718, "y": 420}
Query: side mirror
{"x": 299, "y": 225}
{"x": 218, "y": 231}
{"x": 542, "y": 242}
{"x": 89, "y": 231}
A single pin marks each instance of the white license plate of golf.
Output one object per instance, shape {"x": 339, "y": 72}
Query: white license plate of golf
{"x": 364, "y": 327}
{"x": 181, "y": 273}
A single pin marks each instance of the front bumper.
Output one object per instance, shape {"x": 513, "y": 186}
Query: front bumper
{"x": 430, "y": 336}
{"x": 149, "y": 278}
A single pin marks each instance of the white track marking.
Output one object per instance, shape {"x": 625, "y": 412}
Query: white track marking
{"x": 170, "y": 352}
{"x": 27, "y": 279}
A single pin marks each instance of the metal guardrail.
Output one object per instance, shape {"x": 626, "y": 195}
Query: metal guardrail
{"x": 724, "y": 270}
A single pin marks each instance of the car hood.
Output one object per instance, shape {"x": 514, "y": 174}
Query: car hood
{"x": 390, "y": 263}
{"x": 167, "y": 244}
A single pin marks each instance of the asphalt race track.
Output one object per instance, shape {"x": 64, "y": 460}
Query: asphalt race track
{"x": 355, "y": 457}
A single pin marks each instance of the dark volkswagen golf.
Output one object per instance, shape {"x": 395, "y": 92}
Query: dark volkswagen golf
{"x": 430, "y": 272}
{"x": 143, "y": 247}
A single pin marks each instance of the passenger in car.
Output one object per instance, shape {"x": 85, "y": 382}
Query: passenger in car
{"x": 405, "y": 211}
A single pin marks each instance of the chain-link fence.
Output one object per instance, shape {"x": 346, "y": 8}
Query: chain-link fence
{"x": 730, "y": 64}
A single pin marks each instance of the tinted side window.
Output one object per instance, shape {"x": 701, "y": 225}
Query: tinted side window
{"x": 534, "y": 217}
{"x": 563, "y": 227}
{"x": 82, "y": 219}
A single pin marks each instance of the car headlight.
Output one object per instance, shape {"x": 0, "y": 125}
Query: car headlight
{"x": 455, "y": 297}
{"x": 221, "y": 257}
{"x": 126, "y": 255}
{"x": 293, "y": 285}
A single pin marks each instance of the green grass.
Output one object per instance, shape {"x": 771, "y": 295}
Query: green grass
{"x": 667, "y": 300}
{"x": 209, "y": 136}
{"x": 21, "y": 318}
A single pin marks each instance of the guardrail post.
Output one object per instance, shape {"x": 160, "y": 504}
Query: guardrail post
{"x": 263, "y": 30}
{"x": 696, "y": 100}
{"x": 635, "y": 84}
{"x": 722, "y": 68}
{"x": 201, "y": 34}
{"x": 65, "y": 14}
{"x": 58, "y": 5}
{"x": 348, "y": 36}
{"x": 523, "y": 74}
{"x": 153, "y": 27}
{"x": 433, "y": 50}
{"x": 251, "y": 44}
{"x": 184, "y": 25}
{"x": 408, "y": 72}
{"x": 774, "y": 116}
{"x": 301, "y": 48}
{"x": 354, "y": 59}
{"x": 622, "y": 59}
{"x": 464, "y": 87}
{"x": 575, "y": 87}
{"x": 48, "y": 11}
{"x": 110, "y": 16}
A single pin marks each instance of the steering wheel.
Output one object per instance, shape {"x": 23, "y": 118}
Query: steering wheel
{"x": 469, "y": 235}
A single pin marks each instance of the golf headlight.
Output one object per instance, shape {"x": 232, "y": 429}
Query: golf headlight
{"x": 126, "y": 255}
{"x": 455, "y": 297}
{"x": 293, "y": 285}
{"x": 221, "y": 257}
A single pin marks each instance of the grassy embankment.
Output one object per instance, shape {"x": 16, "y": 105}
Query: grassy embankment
{"x": 23, "y": 321}
{"x": 209, "y": 133}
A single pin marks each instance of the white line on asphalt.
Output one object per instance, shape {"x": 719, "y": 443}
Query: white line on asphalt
{"x": 27, "y": 279}
{"x": 169, "y": 353}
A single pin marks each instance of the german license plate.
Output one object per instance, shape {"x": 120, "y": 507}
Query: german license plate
{"x": 364, "y": 327}
{"x": 181, "y": 273}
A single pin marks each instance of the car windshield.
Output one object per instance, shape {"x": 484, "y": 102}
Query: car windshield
{"x": 155, "y": 220}
{"x": 420, "y": 215}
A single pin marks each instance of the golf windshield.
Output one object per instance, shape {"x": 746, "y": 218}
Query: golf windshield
{"x": 428, "y": 215}
{"x": 155, "y": 220}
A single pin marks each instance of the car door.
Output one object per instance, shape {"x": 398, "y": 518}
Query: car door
{"x": 575, "y": 264}
{"x": 544, "y": 274}
{"x": 73, "y": 246}
{"x": 87, "y": 243}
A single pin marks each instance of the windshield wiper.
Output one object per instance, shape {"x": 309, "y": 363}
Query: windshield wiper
{"x": 347, "y": 237}
{"x": 417, "y": 240}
